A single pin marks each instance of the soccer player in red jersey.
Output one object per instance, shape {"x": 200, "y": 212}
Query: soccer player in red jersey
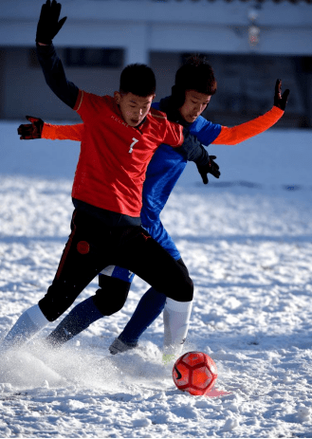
{"x": 120, "y": 136}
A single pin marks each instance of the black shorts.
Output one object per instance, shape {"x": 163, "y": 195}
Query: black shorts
{"x": 92, "y": 246}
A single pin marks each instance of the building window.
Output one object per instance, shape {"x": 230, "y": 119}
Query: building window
{"x": 87, "y": 57}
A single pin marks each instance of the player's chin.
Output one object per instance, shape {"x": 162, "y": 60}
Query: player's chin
{"x": 134, "y": 123}
{"x": 191, "y": 119}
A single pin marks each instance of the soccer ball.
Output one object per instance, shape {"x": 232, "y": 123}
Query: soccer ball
{"x": 195, "y": 373}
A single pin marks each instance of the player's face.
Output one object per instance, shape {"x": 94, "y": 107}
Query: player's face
{"x": 133, "y": 108}
{"x": 195, "y": 103}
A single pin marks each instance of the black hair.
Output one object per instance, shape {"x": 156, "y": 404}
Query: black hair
{"x": 138, "y": 79}
{"x": 196, "y": 74}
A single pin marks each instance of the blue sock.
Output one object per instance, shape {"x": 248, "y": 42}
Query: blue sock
{"x": 76, "y": 321}
{"x": 148, "y": 309}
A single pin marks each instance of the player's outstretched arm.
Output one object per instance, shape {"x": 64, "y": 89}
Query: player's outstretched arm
{"x": 38, "y": 129}
{"x": 48, "y": 26}
{"x": 239, "y": 133}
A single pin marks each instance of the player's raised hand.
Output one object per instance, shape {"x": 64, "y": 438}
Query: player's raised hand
{"x": 49, "y": 23}
{"x": 31, "y": 130}
{"x": 280, "y": 100}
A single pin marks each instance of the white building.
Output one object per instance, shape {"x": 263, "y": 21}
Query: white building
{"x": 249, "y": 43}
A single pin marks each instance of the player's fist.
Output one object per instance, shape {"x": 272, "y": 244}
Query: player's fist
{"x": 31, "y": 130}
{"x": 280, "y": 100}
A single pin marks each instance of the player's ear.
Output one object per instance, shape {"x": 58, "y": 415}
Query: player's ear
{"x": 117, "y": 97}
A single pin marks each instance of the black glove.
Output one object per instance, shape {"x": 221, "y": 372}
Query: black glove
{"x": 49, "y": 23}
{"x": 31, "y": 130}
{"x": 280, "y": 100}
{"x": 210, "y": 168}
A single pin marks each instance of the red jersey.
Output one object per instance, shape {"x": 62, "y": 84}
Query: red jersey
{"x": 114, "y": 156}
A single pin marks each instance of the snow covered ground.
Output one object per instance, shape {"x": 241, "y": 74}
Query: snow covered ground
{"x": 247, "y": 240}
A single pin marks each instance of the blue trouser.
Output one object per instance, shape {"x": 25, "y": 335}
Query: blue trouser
{"x": 147, "y": 310}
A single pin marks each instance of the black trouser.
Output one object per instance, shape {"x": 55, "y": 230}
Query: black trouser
{"x": 113, "y": 292}
{"x": 92, "y": 246}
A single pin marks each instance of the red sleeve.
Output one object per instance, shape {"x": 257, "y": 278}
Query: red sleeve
{"x": 62, "y": 132}
{"x": 79, "y": 100}
{"x": 174, "y": 135}
{"x": 239, "y": 133}
{"x": 174, "y": 132}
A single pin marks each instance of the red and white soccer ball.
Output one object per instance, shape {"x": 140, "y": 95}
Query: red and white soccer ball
{"x": 195, "y": 373}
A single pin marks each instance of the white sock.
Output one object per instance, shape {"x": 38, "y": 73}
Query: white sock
{"x": 28, "y": 324}
{"x": 37, "y": 317}
{"x": 176, "y": 322}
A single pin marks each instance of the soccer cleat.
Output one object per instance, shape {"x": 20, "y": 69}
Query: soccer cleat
{"x": 118, "y": 346}
{"x": 168, "y": 358}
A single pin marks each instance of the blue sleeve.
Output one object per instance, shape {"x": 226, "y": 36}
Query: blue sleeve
{"x": 205, "y": 131}
{"x": 160, "y": 234}
{"x": 55, "y": 76}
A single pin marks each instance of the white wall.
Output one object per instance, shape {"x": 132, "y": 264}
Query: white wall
{"x": 150, "y": 31}
{"x": 144, "y": 25}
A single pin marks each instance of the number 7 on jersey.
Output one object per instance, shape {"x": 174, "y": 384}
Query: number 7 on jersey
{"x": 132, "y": 144}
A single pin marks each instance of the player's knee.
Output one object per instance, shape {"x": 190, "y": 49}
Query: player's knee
{"x": 185, "y": 291}
{"x": 188, "y": 291}
{"x": 180, "y": 288}
{"x": 57, "y": 300}
{"x": 111, "y": 297}
{"x": 187, "y": 288}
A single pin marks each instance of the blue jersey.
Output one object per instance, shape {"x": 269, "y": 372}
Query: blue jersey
{"x": 162, "y": 175}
